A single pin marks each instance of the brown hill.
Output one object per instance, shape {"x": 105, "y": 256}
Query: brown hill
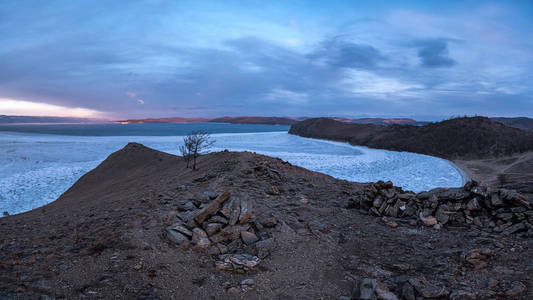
{"x": 113, "y": 235}
{"x": 256, "y": 120}
{"x": 475, "y": 137}
{"x": 163, "y": 120}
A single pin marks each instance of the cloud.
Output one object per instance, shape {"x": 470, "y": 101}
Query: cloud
{"x": 434, "y": 54}
{"x": 373, "y": 85}
{"x": 338, "y": 52}
{"x": 28, "y": 108}
{"x": 286, "y": 96}
{"x": 140, "y": 101}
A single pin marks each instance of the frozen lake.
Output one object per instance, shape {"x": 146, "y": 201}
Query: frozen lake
{"x": 36, "y": 169}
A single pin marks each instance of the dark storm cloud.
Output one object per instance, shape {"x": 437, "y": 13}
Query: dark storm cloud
{"x": 434, "y": 54}
{"x": 341, "y": 53}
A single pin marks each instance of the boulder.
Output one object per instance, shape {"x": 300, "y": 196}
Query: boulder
{"x": 212, "y": 228}
{"x": 200, "y": 239}
{"x": 428, "y": 290}
{"x": 245, "y": 211}
{"x": 181, "y": 229}
{"x": 264, "y": 247}
{"x": 428, "y": 220}
{"x": 211, "y": 208}
{"x": 249, "y": 237}
{"x": 176, "y": 237}
{"x": 237, "y": 262}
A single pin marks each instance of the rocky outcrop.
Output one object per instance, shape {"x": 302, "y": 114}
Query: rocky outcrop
{"x": 498, "y": 211}
{"x": 224, "y": 227}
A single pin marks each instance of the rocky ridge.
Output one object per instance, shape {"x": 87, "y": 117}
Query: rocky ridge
{"x": 476, "y": 206}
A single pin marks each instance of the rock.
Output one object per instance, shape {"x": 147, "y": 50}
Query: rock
{"x": 462, "y": 295}
{"x": 235, "y": 212}
{"x": 246, "y": 211}
{"x": 248, "y": 281}
{"x": 248, "y": 237}
{"x": 505, "y": 216}
{"x": 226, "y": 208}
{"x": 478, "y": 258}
{"x": 515, "y": 228}
{"x": 273, "y": 190}
{"x": 218, "y": 219}
{"x": 377, "y": 202}
{"x": 5, "y": 213}
{"x": 181, "y": 229}
{"x": 495, "y": 200}
{"x": 383, "y": 293}
{"x": 222, "y": 248}
{"x": 210, "y": 194}
{"x": 517, "y": 289}
{"x": 218, "y": 238}
{"x": 270, "y": 222}
{"x": 423, "y": 195}
{"x": 176, "y": 237}
{"x": 212, "y": 228}
{"x": 200, "y": 239}
{"x": 185, "y": 205}
{"x": 364, "y": 290}
{"x": 237, "y": 262}
{"x": 211, "y": 208}
{"x": 408, "y": 292}
{"x": 441, "y": 215}
{"x": 473, "y": 204}
{"x": 428, "y": 221}
{"x": 248, "y": 284}
{"x": 391, "y": 224}
{"x": 233, "y": 291}
{"x": 234, "y": 232}
{"x": 428, "y": 290}
{"x": 264, "y": 247}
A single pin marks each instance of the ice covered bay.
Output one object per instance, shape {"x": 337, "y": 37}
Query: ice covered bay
{"x": 36, "y": 169}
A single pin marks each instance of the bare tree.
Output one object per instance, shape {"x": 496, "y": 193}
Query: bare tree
{"x": 195, "y": 144}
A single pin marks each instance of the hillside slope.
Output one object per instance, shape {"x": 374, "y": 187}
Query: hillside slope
{"x": 115, "y": 235}
{"x": 520, "y": 122}
{"x": 476, "y": 137}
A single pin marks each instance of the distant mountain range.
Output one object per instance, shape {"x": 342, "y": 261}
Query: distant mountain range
{"x": 519, "y": 122}
{"x": 32, "y": 119}
{"x": 274, "y": 120}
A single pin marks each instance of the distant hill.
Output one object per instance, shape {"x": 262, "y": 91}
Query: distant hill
{"x": 476, "y": 137}
{"x": 32, "y": 119}
{"x": 273, "y": 120}
{"x": 386, "y": 122}
{"x": 257, "y": 120}
{"x": 520, "y": 122}
{"x": 163, "y": 120}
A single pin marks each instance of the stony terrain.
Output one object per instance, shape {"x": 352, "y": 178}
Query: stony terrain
{"x": 246, "y": 226}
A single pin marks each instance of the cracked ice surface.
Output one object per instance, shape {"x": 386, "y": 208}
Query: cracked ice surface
{"x": 35, "y": 169}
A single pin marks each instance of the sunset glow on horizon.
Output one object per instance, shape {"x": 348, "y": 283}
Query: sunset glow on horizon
{"x": 28, "y": 108}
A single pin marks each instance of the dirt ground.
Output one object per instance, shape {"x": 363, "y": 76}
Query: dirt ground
{"x": 105, "y": 239}
{"x": 510, "y": 172}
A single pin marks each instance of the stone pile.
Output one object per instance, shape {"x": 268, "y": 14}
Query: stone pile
{"x": 500, "y": 211}
{"x": 226, "y": 227}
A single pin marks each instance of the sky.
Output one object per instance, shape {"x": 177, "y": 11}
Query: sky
{"x": 138, "y": 59}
